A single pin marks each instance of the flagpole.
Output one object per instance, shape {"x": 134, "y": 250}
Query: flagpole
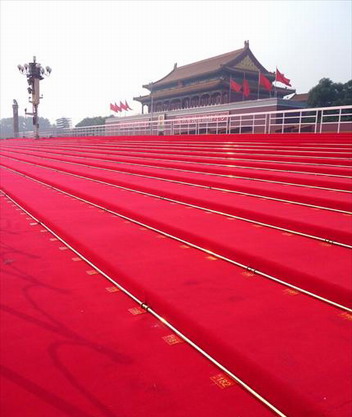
{"x": 230, "y": 89}
{"x": 258, "y": 84}
{"x": 244, "y": 77}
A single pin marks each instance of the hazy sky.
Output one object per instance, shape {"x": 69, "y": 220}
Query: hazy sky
{"x": 104, "y": 51}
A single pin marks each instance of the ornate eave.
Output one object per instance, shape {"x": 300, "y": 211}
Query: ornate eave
{"x": 153, "y": 87}
{"x": 150, "y": 85}
{"x": 174, "y": 92}
{"x": 248, "y": 62}
{"x": 284, "y": 91}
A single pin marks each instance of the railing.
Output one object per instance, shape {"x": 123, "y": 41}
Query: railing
{"x": 315, "y": 120}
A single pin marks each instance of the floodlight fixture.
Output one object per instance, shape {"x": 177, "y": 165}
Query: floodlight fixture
{"x": 34, "y": 73}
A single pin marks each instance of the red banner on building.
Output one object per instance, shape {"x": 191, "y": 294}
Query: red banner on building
{"x": 235, "y": 86}
{"x": 265, "y": 82}
{"x": 246, "y": 89}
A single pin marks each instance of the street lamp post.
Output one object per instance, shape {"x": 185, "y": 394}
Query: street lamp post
{"x": 34, "y": 73}
{"x": 15, "y": 118}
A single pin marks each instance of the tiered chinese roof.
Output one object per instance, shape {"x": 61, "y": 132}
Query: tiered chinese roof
{"x": 242, "y": 59}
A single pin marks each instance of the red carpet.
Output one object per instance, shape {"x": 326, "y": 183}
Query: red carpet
{"x": 292, "y": 349}
{"x": 308, "y": 195}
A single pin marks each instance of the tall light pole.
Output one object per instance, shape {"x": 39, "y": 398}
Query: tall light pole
{"x": 34, "y": 73}
{"x": 15, "y": 118}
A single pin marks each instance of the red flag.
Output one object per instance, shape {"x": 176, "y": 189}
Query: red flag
{"x": 235, "y": 86}
{"x": 112, "y": 107}
{"x": 127, "y": 106}
{"x": 117, "y": 108}
{"x": 122, "y": 106}
{"x": 265, "y": 82}
{"x": 281, "y": 78}
{"x": 246, "y": 89}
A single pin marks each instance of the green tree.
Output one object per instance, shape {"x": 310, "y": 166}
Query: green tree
{"x": 347, "y": 93}
{"x": 25, "y": 125}
{"x": 92, "y": 121}
{"x": 327, "y": 93}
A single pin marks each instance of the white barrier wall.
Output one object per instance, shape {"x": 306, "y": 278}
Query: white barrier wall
{"x": 314, "y": 120}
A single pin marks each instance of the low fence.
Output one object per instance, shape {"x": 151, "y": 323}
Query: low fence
{"x": 314, "y": 120}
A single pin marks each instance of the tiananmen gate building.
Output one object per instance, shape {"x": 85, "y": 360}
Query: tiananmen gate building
{"x": 207, "y": 82}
